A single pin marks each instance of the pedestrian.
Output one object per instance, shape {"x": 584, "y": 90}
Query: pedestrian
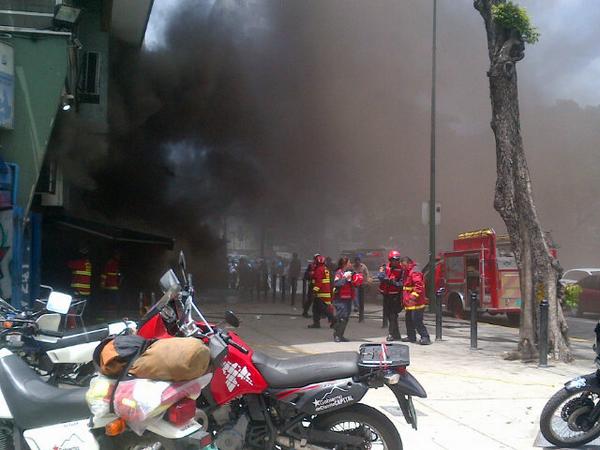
{"x": 281, "y": 274}
{"x": 359, "y": 303}
{"x": 414, "y": 301}
{"x": 293, "y": 275}
{"x": 321, "y": 282}
{"x": 110, "y": 281}
{"x": 390, "y": 285}
{"x": 345, "y": 281}
{"x": 233, "y": 274}
{"x": 308, "y": 275}
{"x": 273, "y": 272}
{"x": 330, "y": 265}
{"x": 264, "y": 276}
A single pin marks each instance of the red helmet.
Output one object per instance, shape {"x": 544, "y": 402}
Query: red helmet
{"x": 320, "y": 259}
{"x": 394, "y": 254}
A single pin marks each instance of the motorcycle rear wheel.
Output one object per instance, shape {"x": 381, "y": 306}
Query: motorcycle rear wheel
{"x": 559, "y": 431}
{"x": 350, "y": 420}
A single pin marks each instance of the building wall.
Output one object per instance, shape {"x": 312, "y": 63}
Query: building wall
{"x": 40, "y": 71}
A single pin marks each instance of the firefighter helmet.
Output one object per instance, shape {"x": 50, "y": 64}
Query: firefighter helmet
{"x": 320, "y": 259}
{"x": 394, "y": 254}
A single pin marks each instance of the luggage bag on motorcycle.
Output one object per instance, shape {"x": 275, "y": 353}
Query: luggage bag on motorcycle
{"x": 173, "y": 359}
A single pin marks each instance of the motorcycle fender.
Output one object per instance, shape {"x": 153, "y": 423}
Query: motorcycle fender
{"x": 589, "y": 382}
{"x": 332, "y": 395}
{"x": 409, "y": 385}
{"x": 75, "y": 354}
{"x": 64, "y": 436}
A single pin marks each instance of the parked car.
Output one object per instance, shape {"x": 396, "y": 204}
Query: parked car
{"x": 589, "y": 281}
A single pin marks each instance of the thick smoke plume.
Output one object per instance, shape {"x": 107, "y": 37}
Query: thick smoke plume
{"x": 311, "y": 119}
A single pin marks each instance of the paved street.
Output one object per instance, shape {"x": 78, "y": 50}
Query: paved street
{"x": 476, "y": 399}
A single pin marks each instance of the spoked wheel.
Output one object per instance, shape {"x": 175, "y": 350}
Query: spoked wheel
{"x": 564, "y": 421}
{"x": 378, "y": 431}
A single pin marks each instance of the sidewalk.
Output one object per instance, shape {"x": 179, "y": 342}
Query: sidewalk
{"x": 476, "y": 399}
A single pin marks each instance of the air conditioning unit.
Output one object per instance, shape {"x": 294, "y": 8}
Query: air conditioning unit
{"x": 50, "y": 185}
{"x": 89, "y": 87}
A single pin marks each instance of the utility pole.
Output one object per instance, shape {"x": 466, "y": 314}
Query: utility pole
{"x": 432, "y": 249}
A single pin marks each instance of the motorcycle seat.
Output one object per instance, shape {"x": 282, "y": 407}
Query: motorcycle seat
{"x": 84, "y": 335}
{"x": 304, "y": 370}
{"x": 34, "y": 403}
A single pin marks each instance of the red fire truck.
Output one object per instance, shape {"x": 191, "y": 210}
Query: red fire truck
{"x": 481, "y": 262}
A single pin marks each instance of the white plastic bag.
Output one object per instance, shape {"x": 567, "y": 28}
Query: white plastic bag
{"x": 140, "y": 401}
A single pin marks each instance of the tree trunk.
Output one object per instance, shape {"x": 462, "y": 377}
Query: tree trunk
{"x": 513, "y": 199}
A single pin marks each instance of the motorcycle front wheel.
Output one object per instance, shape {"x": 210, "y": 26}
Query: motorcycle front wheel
{"x": 563, "y": 420}
{"x": 362, "y": 420}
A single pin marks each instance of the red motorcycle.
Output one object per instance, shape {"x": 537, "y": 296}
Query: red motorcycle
{"x": 255, "y": 401}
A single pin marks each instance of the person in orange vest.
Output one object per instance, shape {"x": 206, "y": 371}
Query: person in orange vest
{"x": 321, "y": 283}
{"x": 413, "y": 297}
{"x": 81, "y": 274}
{"x": 110, "y": 279}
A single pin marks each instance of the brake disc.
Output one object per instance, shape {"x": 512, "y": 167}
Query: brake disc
{"x": 575, "y": 409}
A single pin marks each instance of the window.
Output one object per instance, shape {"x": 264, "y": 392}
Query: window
{"x": 455, "y": 267}
{"x": 590, "y": 282}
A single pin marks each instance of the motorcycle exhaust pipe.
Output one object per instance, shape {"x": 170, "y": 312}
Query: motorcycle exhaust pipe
{"x": 295, "y": 444}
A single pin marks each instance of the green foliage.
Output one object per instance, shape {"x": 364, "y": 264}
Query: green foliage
{"x": 513, "y": 16}
{"x": 572, "y": 292}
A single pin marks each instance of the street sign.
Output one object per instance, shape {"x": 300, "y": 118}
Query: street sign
{"x": 425, "y": 213}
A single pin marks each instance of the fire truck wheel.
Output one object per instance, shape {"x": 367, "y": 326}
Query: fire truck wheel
{"x": 457, "y": 309}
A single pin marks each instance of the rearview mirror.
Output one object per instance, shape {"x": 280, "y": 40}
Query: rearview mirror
{"x": 59, "y": 302}
{"x": 168, "y": 281}
{"x": 232, "y": 319}
{"x": 182, "y": 263}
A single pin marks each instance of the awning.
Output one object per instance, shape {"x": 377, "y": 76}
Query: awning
{"x": 113, "y": 233}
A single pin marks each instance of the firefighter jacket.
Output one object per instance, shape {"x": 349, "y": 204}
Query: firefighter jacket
{"x": 81, "y": 276}
{"x": 345, "y": 281}
{"x": 390, "y": 280}
{"x": 110, "y": 277}
{"x": 413, "y": 295}
{"x": 321, "y": 282}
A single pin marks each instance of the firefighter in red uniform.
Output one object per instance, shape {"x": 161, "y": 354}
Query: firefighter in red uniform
{"x": 390, "y": 277}
{"x": 308, "y": 276}
{"x": 414, "y": 300}
{"x": 345, "y": 282}
{"x": 110, "y": 280}
{"x": 321, "y": 283}
{"x": 81, "y": 274}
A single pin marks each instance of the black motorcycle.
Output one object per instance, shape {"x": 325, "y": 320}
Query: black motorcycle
{"x": 571, "y": 418}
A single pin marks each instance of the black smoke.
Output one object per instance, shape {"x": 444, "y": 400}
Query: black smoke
{"x": 311, "y": 119}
